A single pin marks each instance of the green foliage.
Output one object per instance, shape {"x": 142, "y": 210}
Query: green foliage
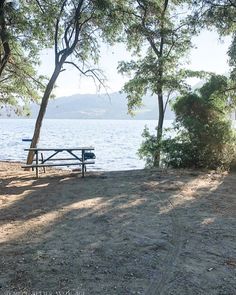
{"x": 79, "y": 30}
{"x": 25, "y": 29}
{"x": 159, "y": 38}
{"x": 29, "y": 26}
{"x": 205, "y": 138}
{"x": 148, "y": 148}
{"x": 216, "y": 13}
{"x": 219, "y": 15}
{"x": 232, "y": 56}
{"x": 19, "y": 82}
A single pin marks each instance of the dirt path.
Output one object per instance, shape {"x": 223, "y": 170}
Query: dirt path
{"x": 132, "y": 232}
{"x": 164, "y": 277}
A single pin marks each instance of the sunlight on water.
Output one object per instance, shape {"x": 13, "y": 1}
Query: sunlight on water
{"x": 116, "y": 142}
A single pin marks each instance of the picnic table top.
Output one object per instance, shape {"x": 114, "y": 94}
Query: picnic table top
{"x": 61, "y": 149}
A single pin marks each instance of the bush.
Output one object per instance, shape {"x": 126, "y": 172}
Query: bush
{"x": 148, "y": 148}
{"x": 205, "y": 137}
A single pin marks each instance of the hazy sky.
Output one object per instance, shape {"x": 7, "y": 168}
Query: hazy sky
{"x": 210, "y": 55}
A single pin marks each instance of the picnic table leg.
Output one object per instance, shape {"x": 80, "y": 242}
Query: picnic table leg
{"x": 42, "y": 161}
{"x": 37, "y": 161}
{"x": 83, "y": 163}
{"x": 83, "y": 170}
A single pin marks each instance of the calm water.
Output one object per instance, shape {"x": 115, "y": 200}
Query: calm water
{"x": 116, "y": 141}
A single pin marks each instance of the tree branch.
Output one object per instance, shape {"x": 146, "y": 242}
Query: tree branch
{"x": 56, "y": 32}
{"x": 167, "y": 100}
{"x": 40, "y": 6}
{"x": 27, "y": 74}
{"x": 88, "y": 73}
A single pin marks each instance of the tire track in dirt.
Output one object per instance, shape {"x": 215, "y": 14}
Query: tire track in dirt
{"x": 162, "y": 279}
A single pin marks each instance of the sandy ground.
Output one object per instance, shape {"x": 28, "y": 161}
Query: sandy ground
{"x": 131, "y": 232}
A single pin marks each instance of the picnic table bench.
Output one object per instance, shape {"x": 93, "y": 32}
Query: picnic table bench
{"x": 85, "y": 157}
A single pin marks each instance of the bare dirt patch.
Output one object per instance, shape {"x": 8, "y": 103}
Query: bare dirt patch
{"x": 130, "y": 232}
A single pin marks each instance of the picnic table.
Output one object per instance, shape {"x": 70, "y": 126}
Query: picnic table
{"x": 81, "y": 156}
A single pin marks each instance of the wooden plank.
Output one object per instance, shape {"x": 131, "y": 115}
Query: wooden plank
{"x": 57, "y": 164}
{"x": 61, "y": 149}
{"x": 27, "y": 139}
{"x": 61, "y": 159}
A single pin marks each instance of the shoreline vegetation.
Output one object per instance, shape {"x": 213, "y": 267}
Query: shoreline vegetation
{"x": 124, "y": 232}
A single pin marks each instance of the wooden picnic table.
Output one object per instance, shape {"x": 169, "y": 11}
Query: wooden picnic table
{"x": 85, "y": 157}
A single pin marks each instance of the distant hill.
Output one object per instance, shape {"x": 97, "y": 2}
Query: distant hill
{"x": 92, "y": 106}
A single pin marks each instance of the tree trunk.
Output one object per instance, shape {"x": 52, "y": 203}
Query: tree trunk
{"x": 42, "y": 110}
{"x": 4, "y": 38}
{"x": 157, "y": 156}
{"x": 161, "y": 109}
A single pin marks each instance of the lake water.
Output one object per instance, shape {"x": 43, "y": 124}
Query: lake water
{"x": 116, "y": 142}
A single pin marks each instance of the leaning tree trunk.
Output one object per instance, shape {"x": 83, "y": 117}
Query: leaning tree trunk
{"x": 157, "y": 156}
{"x": 42, "y": 110}
{"x": 4, "y": 39}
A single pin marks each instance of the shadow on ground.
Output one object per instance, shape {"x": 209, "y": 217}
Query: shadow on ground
{"x": 130, "y": 232}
